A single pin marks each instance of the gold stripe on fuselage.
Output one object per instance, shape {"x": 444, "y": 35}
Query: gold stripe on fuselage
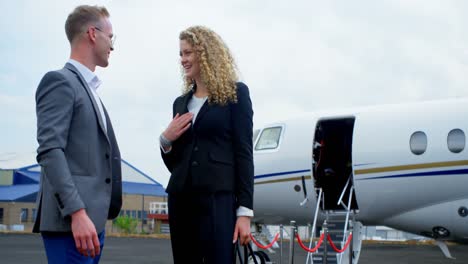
{"x": 284, "y": 180}
{"x": 413, "y": 167}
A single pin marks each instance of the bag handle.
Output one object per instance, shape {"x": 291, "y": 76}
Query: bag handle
{"x": 247, "y": 249}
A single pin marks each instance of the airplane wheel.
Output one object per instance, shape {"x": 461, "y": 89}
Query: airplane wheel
{"x": 258, "y": 257}
{"x": 264, "y": 255}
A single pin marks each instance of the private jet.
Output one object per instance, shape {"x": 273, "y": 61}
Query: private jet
{"x": 404, "y": 166}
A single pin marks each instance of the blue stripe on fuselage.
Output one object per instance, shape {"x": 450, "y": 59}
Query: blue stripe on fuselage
{"x": 418, "y": 174}
{"x": 279, "y": 174}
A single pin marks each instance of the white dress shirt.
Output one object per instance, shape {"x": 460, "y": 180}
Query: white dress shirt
{"x": 93, "y": 82}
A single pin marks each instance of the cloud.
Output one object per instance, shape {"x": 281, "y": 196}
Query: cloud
{"x": 294, "y": 56}
{"x": 8, "y": 79}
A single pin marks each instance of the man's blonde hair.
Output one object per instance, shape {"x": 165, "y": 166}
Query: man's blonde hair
{"x": 81, "y": 17}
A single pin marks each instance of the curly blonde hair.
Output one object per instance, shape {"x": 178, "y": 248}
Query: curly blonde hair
{"x": 217, "y": 67}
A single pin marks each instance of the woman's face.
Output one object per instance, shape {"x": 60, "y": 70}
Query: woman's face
{"x": 189, "y": 60}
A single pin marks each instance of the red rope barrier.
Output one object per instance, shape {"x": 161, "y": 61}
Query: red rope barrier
{"x": 310, "y": 250}
{"x": 335, "y": 248}
{"x": 262, "y": 246}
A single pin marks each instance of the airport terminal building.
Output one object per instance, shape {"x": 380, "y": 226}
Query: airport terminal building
{"x": 144, "y": 198}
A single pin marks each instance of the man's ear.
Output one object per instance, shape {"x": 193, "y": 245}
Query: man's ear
{"x": 91, "y": 33}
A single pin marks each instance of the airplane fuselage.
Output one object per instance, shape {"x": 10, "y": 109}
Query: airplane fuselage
{"x": 407, "y": 167}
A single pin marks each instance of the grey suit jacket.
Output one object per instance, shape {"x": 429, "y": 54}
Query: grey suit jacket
{"x": 80, "y": 161}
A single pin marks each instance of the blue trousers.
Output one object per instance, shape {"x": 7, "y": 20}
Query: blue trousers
{"x": 60, "y": 248}
{"x": 202, "y": 227}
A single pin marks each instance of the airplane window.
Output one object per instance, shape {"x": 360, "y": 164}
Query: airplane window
{"x": 269, "y": 138}
{"x": 456, "y": 140}
{"x": 418, "y": 142}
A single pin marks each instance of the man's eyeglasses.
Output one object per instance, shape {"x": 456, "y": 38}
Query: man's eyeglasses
{"x": 112, "y": 38}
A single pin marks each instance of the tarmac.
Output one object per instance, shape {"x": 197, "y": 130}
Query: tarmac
{"x": 28, "y": 249}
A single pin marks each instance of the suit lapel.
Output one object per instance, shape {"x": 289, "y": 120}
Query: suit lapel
{"x": 111, "y": 135}
{"x": 205, "y": 107}
{"x": 182, "y": 108}
{"x": 94, "y": 103}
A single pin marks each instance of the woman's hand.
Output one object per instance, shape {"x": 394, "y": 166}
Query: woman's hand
{"x": 242, "y": 230}
{"x": 178, "y": 126}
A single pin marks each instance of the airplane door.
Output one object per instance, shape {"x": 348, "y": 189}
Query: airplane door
{"x": 332, "y": 161}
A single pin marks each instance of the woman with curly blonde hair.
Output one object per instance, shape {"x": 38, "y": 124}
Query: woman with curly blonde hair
{"x": 207, "y": 147}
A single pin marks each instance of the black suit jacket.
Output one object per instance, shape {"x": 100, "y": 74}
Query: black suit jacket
{"x": 215, "y": 154}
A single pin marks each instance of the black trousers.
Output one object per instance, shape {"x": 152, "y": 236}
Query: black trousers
{"x": 202, "y": 227}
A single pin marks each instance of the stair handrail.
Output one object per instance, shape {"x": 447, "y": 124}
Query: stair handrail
{"x": 314, "y": 225}
{"x": 343, "y": 192}
{"x": 345, "y": 231}
{"x": 317, "y": 208}
{"x": 351, "y": 191}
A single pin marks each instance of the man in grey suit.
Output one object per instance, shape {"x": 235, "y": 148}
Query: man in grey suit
{"x": 81, "y": 183}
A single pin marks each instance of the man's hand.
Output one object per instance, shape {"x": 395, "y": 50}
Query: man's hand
{"x": 84, "y": 233}
{"x": 178, "y": 126}
{"x": 242, "y": 230}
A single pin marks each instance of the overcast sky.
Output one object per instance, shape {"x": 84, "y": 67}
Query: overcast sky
{"x": 295, "y": 56}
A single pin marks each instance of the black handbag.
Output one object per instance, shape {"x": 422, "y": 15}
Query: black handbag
{"x": 247, "y": 251}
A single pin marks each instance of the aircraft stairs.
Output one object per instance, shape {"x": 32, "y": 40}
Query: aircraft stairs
{"x": 340, "y": 235}
{"x": 333, "y": 232}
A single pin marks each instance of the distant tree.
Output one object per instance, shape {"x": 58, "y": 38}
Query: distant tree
{"x": 126, "y": 224}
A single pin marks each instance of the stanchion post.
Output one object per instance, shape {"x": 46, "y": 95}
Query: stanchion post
{"x": 281, "y": 244}
{"x": 351, "y": 232}
{"x": 291, "y": 241}
{"x": 325, "y": 235}
{"x": 351, "y": 252}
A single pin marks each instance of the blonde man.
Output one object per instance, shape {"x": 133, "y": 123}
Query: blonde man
{"x": 80, "y": 185}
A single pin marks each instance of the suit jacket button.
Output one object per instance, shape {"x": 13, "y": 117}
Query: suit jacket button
{"x": 107, "y": 156}
{"x": 194, "y": 163}
{"x": 108, "y": 180}
{"x": 195, "y": 149}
